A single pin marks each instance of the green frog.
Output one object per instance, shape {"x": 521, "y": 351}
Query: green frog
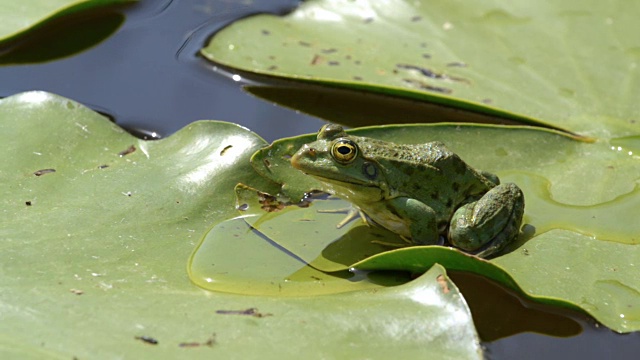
{"x": 425, "y": 193}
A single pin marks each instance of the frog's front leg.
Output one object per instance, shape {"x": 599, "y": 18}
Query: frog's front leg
{"x": 487, "y": 225}
{"x": 420, "y": 219}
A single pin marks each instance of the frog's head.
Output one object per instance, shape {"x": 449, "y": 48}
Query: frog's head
{"x": 336, "y": 159}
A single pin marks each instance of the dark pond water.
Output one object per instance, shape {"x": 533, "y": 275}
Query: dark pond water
{"x": 148, "y": 77}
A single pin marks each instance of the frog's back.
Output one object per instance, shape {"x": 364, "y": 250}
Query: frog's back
{"x": 430, "y": 173}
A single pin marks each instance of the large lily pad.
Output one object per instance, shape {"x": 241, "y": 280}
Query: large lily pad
{"x": 96, "y": 230}
{"x": 566, "y": 213}
{"x": 572, "y": 64}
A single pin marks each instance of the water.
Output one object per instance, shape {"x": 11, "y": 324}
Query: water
{"x": 148, "y": 78}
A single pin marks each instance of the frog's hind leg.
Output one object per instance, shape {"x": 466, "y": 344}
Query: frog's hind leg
{"x": 486, "y": 226}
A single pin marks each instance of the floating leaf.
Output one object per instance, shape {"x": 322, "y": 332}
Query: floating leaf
{"x": 97, "y": 227}
{"x": 476, "y": 56}
{"x": 19, "y": 17}
{"x": 560, "y": 203}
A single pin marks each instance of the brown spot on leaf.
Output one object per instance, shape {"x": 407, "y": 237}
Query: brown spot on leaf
{"x": 316, "y": 59}
{"x": 127, "y": 151}
{"x": 147, "y": 339}
{"x": 225, "y": 149}
{"x": 248, "y": 312}
{"x": 443, "y": 283}
{"x": 425, "y": 86}
{"x": 44, "y": 171}
{"x": 210, "y": 342}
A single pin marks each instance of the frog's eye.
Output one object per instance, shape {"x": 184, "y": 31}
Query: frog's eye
{"x": 344, "y": 151}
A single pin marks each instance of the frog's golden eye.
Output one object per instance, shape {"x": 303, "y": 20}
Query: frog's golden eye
{"x": 344, "y": 151}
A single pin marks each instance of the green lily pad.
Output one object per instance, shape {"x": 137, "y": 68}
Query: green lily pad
{"x": 18, "y": 17}
{"x": 42, "y": 31}
{"x": 265, "y": 267}
{"x": 477, "y": 56}
{"x": 97, "y": 227}
{"x": 564, "y": 211}
{"x": 596, "y": 276}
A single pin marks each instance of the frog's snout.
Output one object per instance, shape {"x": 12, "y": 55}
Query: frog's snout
{"x": 305, "y": 152}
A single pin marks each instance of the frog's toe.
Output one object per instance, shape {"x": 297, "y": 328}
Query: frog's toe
{"x": 486, "y": 226}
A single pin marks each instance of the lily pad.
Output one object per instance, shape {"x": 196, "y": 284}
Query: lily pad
{"x": 19, "y": 17}
{"x": 34, "y": 32}
{"x": 259, "y": 253}
{"x": 476, "y": 56}
{"x": 96, "y": 230}
{"x": 565, "y": 213}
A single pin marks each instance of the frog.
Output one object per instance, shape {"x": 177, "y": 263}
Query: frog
{"x": 423, "y": 192}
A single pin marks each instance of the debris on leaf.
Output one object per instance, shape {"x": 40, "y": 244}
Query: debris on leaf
{"x": 128, "y": 151}
{"x": 44, "y": 171}
{"x": 147, "y": 339}
{"x": 250, "y": 312}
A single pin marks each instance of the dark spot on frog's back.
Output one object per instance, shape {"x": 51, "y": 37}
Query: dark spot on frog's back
{"x": 449, "y": 202}
{"x": 409, "y": 170}
{"x": 461, "y": 167}
{"x": 455, "y": 186}
{"x": 434, "y": 195}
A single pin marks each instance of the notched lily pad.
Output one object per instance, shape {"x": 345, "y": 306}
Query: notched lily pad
{"x": 558, "y": 201}
{"x": 112, "y": 227}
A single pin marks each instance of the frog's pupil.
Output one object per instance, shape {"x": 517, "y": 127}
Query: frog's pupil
{"x": 344, "y": 149}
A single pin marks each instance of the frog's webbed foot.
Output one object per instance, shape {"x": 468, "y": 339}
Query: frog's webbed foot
{"x": 486, "y": 226}
{"x": 491, "y": 176}
{"x": 352, "y": 213}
